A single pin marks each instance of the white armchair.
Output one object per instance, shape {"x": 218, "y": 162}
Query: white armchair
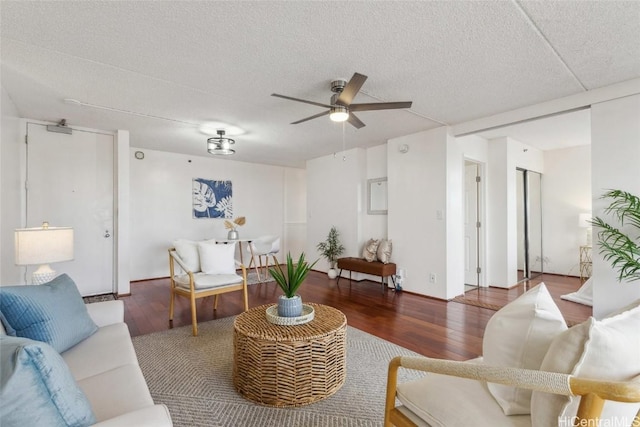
{"x": 209, "y": 280}
{"x": 441, "y": 400}
{"x": 535, "y": 372}
{"x": 263, "y": 247}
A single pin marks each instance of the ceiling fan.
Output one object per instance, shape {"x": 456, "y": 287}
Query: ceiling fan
{"x": 341, "y": 107}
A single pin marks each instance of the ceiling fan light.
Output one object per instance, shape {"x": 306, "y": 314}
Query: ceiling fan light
{"x": 339, "y": 114}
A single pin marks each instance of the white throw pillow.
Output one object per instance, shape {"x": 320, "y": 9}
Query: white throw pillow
{"x": 518, "y": 336}
{"x": 384, "y": 251}
{"x": 370, "y": 251}
{"x": 217, "y": 258}
{"x": 607, "y": 350}
{"x": 188, "y": 252}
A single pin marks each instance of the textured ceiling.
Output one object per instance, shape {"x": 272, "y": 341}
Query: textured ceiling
{"x": 179, "y": 65}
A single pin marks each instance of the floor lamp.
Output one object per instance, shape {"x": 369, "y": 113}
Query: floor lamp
{"x": 42, "y": 246}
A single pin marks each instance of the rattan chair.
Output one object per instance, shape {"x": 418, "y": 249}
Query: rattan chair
{"x": 194, "y": 285}
{"x": 263, "y": 247}
{"x": 593, "y": 393}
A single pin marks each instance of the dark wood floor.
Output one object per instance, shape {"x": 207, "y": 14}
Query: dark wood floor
{"x": 428, "y": 326}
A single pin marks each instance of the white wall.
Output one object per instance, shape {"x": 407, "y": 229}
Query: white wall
{"x": 374, "y": 226}
{"x": 505, "y": 156}
{"x": 335, "y": 186}
{"x": 161, "y": 204}
{"x": 10, "y": 185}
{"x": 295, "y": 212}
{"x": 566, "y": 192}
{"x": 425, "y": 197}
{"x": 615, "y": 143}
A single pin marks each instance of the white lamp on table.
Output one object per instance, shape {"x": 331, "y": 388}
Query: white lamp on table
{"x": 42, "y": 246}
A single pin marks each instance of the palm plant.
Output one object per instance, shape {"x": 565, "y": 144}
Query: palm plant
{"x": 620, "y": 249}
{"x": 295, "y": 275}
{"x": 331, "y": 248}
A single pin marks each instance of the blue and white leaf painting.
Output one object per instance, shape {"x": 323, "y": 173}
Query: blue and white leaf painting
{"x": 212, "y": 199}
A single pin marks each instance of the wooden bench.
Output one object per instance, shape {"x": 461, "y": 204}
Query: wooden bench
{"x": 375, "y": 268}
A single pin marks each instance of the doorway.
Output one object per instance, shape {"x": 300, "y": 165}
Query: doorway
{"x": 472, "y": 225}
{"x": 529, "y": 224}
{"x": 71, "y": 183}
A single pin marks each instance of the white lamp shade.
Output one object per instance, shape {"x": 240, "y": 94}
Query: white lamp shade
{"x": 43, "y": 245}
{"x": 584, "y": 220}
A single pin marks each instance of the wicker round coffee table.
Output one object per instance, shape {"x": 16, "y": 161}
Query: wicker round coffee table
{"x": 284, "y": 366}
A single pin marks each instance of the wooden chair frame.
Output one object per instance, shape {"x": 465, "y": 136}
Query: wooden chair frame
{"x": 593, "y": 393}
{"x": 193, "y": 294}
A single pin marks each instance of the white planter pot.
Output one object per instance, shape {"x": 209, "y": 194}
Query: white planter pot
{"x": 332, "y": 273}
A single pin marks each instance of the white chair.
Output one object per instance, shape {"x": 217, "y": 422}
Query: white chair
{"x": 263, "y": 247}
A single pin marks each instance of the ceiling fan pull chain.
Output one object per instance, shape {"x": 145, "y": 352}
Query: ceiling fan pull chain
{"x": 344, "y": 157}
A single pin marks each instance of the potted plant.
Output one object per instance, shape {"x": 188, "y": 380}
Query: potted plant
{"x": 331, "y": 249}
{"x": 232, "y": 227}
{"x": 290, "y": 304}
{"x": 621, "y": 249}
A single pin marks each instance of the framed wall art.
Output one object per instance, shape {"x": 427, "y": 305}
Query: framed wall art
{"x": 212, "y": 199}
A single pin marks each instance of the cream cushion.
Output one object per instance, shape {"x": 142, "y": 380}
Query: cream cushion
{"x": 608, "y": 349}
{"x": 207, "y": 281}
{"x": 442, "y": 400}
{"x": 217, "y": 259}
{"x": 518, "y": 336}
{"x": 384, "y": 251}
{"x": 370, "y": 251}
{"x": 188, "y": 252}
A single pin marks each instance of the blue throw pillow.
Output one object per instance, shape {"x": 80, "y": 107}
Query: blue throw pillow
{"x": 37, "y": 388}
{"x": 53, "y": 313}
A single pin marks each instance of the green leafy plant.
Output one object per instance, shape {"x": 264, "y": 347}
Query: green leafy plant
{"x": 295, "y": 274}
{"x": 331, "y": 248}
{"x": 620, "y": 249}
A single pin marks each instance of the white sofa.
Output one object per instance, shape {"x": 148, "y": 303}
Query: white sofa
{"x": 106, "y": 368}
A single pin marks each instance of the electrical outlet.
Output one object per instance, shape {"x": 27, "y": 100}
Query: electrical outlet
{"x": 432, "y": 277}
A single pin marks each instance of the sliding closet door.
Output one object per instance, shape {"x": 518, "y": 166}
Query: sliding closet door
{"x": 529, "y": 224}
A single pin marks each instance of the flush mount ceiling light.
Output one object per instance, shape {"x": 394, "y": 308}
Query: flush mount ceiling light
{"x": 219, "y": 145}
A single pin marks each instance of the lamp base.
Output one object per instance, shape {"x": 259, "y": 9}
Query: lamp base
{"x": 42, "y": 275}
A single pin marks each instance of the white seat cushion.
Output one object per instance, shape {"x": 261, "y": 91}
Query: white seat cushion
{"x": 446, "y": 401}
{"x": 207, "y": 281}
{"x": 117, "y": 392}
{"x": 107, "y": 349}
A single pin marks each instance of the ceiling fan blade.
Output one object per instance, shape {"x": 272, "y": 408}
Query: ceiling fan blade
{"x": 324, "y": 113}
{"x": 356, "y": 122}
{"x": 301, "y": 100}
{"x": 351, "y": 89}
{"x": 379, "y": 106}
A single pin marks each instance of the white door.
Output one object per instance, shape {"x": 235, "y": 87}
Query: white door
{"x": 471, "y": 224}
{"x": 70, "y": 184}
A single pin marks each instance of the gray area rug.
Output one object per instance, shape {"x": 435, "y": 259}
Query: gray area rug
{"x": 193, "y": 377}
{"x": 252, "y": 278}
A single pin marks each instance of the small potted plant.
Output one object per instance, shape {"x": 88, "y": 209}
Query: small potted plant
{"x": 232, "y": 227}
{"x": 331, "y": 249}
{"x": 290, "y": 304}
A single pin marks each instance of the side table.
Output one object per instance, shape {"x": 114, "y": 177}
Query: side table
{"x": 585, "y": 262}
{"x": 287, "y": 366}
